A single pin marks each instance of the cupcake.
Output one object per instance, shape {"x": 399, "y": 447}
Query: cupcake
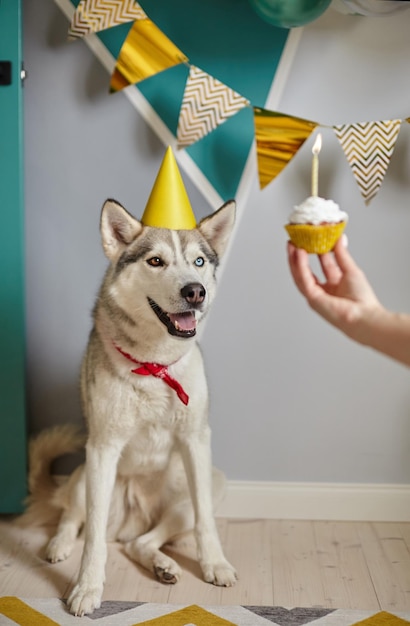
{"x": 316, "y": 225}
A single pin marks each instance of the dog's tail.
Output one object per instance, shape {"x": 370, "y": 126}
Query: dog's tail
{"x": 43, "y": 449}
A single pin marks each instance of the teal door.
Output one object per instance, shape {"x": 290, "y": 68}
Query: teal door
{"x": 12, "y": 324}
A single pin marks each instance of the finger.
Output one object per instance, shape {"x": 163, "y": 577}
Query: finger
{"x": 305, "y": 280}
{"x": 330, "y": 268}
{"x": 291, "y": 250}
{"x": 343, "y": 257}
{"x": 294, "y": 262}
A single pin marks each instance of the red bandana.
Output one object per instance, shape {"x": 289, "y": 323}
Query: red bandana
{"x": 159, "y": 371}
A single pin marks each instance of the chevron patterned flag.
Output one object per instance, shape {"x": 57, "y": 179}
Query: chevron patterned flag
{"x": 206, "y": 104}
{"x": 145, "y": 52}
{"x": 368, "y": 147}
{"x": 278, "y": 138}
{"x": 92, "y": 16}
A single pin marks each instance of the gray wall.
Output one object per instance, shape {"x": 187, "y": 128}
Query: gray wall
{"x": 292, "y": 400}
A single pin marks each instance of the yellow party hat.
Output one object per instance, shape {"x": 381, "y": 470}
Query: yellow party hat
{"x": 168, "y": 205}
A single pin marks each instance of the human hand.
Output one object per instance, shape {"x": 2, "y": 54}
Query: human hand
{"x": 345, "y": 297}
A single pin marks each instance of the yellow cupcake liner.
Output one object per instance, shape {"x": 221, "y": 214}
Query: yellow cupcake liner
{"x": 315, "y": 239}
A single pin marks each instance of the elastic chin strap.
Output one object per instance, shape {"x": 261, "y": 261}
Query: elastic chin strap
{"x": 158, "y": 371}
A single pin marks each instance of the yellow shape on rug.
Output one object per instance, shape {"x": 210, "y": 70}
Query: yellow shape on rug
{"x": 189, "y": 616}
{"x": 383, "y": 619}
{"x": 22, "y": 613}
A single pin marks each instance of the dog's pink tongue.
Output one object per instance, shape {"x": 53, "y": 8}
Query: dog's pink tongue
{"x": 183, "y": 321}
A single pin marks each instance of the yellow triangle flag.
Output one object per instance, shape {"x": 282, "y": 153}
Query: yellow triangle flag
{"x": 145, "y": 52}
{"x": 278, "y": 138}
{"x": 168, "y": 205}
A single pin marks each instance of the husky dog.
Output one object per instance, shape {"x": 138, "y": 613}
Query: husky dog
{"x": 148, "y": 475}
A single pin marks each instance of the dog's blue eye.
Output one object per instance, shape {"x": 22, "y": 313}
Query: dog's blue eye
{"x": 199, "y": 262}
{"x": 155, "y": 261}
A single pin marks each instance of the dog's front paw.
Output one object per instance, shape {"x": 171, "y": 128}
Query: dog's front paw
{"x": 58, "y": 550}
{"x": 221, "y": 574}
{"x": 84, "y": 600}
{"x": 167, "y": 575}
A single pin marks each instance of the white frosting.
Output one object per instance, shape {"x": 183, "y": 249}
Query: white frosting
{"x": 315, "y": 210}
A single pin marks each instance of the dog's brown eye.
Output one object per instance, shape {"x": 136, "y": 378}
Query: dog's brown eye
{"x": 155, "y": 261}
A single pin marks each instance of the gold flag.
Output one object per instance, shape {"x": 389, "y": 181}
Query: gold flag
{"x": 278, "y": 138}
{"x": 145, "y": 52}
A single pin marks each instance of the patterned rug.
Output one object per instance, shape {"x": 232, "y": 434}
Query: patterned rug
{"x": 52, "y": 612}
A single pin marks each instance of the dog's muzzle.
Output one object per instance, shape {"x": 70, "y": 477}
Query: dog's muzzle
{"x": 182, "y": 324}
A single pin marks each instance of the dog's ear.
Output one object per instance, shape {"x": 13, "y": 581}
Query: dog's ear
{"x": 217, "y": 227}
{"x": 118, "y": 229}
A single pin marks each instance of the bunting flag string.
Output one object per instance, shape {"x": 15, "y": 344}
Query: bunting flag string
{"x": 207, "y": 102}
{"x": 93, "y": 16}
{"x": 368, "y": 147}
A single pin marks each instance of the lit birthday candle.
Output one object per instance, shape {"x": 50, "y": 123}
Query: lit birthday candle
{"x": 316, "y": 224}
{"x": 315, "y": 165}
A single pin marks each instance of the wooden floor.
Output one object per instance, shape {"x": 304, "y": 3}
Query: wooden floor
{"x": 282, "y": 563}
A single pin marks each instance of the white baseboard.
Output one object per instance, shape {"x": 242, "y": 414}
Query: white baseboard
{"x": 316, "y": 501}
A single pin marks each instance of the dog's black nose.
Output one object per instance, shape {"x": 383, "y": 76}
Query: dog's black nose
{"x": 194, "y": 293}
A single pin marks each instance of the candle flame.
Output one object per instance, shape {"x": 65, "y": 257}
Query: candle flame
{"x": 317, "y": 146}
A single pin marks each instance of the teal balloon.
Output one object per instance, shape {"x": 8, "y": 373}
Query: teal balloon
{"x": 289, "y": 13}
